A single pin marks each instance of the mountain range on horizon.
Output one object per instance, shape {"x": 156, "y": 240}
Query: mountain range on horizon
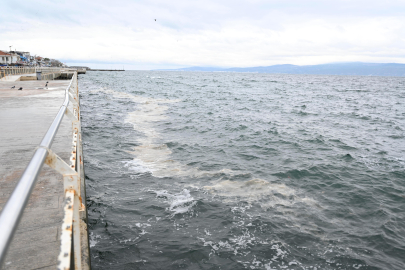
{"x": 351, "y": 68}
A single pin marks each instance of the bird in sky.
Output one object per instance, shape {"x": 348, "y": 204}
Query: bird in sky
{"x": 155, "y": 20}
{"x": 20, "y": 88}
{"x": 46, "y": 85}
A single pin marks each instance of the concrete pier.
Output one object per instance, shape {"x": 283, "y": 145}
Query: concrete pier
{"x": 25, "y": 116}
{"x": 44, "y": 74}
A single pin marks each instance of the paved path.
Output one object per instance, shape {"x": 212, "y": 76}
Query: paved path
{"x": 25, "y": 116}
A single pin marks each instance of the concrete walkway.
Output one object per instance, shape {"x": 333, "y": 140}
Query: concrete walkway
{"x": 25, "y": 116}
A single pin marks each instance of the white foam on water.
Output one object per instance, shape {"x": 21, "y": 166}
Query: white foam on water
{"x": 257, "y": 189}
{"x": 157, "y": 159}
{"x": 136, "y": 165}
{"x": 154, "y": 157}
{"x": 93, "y": 239}
{"x": 142, "y": 225}
{"x": 242, "y": 241}
{"x": 150, "y": 156}
{"x": 129, "y": 240}
{"x": 240, "y": 245}
{"x": 179, "y": 203}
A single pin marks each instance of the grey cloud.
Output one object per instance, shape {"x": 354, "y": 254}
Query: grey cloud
{"x": 198, "y": 15}
{"x": 213, "y": 32}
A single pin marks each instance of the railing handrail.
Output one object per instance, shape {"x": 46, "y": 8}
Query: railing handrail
{"x": 11, "y": 214}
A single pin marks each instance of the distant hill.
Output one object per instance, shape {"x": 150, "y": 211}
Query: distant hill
{"x": 356, "y": 68}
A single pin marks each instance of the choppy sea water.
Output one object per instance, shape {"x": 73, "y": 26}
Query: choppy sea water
{"x": 196, "y": 170}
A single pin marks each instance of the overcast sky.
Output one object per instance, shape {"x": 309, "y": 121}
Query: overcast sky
{"x": 221, "y": 33}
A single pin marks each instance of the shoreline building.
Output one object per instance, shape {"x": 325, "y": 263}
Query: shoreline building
{"x": 5, "y": 58}
{"x": 24, "y": 57}
{"x": 9, "y": 58}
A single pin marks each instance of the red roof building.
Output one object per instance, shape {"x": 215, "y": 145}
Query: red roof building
{"x": 5, "y": 58}
{"x": 4, "y": 54}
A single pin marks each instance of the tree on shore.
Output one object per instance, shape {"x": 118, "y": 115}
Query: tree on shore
{"x": 56, "y": 63}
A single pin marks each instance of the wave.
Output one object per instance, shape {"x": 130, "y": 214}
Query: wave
{"x": 260, "y": 191}
{"x": 179, "y": 203}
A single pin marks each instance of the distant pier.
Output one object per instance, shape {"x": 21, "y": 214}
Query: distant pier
{"x": 106, "y": 70}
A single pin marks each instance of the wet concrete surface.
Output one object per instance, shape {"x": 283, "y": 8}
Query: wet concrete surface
{"x": 25, "y": 116}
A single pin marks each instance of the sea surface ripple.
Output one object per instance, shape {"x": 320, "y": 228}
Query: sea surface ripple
{"x": 199, "y": 170}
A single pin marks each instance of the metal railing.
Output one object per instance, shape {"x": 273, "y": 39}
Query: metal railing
{"x": 10, "y": 71}
{"x": 72, "y": 175}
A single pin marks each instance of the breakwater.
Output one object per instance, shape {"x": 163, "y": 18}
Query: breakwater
{"x": 106, "y": 70}
{"x": 36, "y": 73}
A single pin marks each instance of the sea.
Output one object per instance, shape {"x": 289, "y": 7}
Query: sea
{"x": 221, "y": 170}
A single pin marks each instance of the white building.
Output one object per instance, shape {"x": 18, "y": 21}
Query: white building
{"x": 9, "y": 58}
{"x": 5, "y": 58}
{"x": 21, "y": 57}
{"x": 15, "y": 58}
